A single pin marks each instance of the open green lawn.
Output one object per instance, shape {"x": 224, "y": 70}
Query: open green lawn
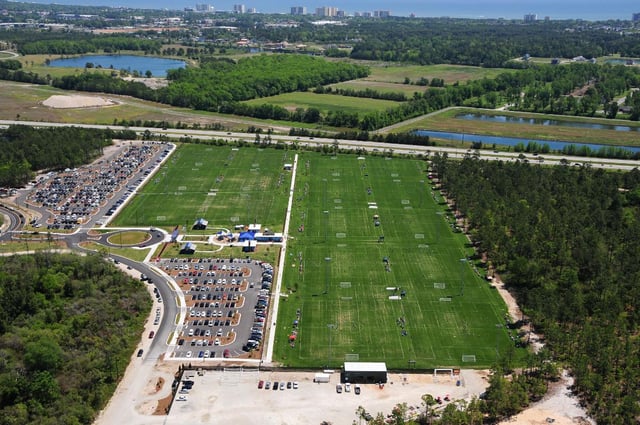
{"x": 224, "y": 185}
{"x": 325, "y": 102}
{"x": 334, "y": 270}
{"x": 380, "y": 86}
{"x": 449, "y": 73}
{"x": 335, "y": 274}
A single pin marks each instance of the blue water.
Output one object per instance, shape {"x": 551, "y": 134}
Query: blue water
{"x": 555, "y": 145}
{"x": 142, "y": 64}
{"x": 540, "y": 121}
{"x": 566, "y": 9}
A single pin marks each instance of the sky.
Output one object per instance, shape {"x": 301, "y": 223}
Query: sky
{"x": 555, "y": 9}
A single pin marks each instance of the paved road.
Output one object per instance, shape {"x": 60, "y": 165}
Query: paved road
{"x": 549, "y": 159}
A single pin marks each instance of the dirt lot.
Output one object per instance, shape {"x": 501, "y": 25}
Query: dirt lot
{"x": 223, "y": 397}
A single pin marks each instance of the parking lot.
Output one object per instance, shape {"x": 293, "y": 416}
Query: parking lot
{"x": 227, "y": 304}
{"x": 73, "y": 196}
{"x": 223, "y": 397}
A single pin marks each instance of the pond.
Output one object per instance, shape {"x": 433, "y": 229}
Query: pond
{"x": 131, "y": 63}
{"x": 554, "y": 145}
{"x": 545, "y": 121}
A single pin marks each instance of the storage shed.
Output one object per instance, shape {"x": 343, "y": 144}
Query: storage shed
{"x": 200, "y": 224}
{"x": 364, "y": 372}
{"x": 188, "y": 248}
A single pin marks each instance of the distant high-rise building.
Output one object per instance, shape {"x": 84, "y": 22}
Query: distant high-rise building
{"x": 326, "y": 12}
{"x": 239, "y": 8}
{"x": 204, "y": 8}
{"x": 298, "y": 10}
{"x": 252, "y": 10}
{"x": 635, "y": 17}
{"x": 381, "y": 13}
{"x": 530, "y": 17}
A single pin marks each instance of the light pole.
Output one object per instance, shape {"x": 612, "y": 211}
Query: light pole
{"x": 331, "y": 327}
{"x": 463, "y": 261}
{"x": 327, "y": 260}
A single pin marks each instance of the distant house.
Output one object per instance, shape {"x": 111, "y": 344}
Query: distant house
{"x": 624, "y": 109}
{"x": 579, "y": 59}
{"x": 188, "y": 248}
{"x": 200, "y": 224}
{"x": 288, "y": 167}
{"x": 254, "y": 228}
{"x": 555, "y": 61}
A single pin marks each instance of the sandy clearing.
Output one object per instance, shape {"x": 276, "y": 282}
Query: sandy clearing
{"x": 559, "y": 407}
{"x": 77, "y": 101}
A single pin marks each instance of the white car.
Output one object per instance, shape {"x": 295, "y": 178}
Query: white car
{"x": 216, "y": 342}
{"x": 347, "y": 387}
{"x": 181, "y": 398}
{"x": 189, "y": 353}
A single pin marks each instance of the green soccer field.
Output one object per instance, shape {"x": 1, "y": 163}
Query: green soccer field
{"x": 338, "y": 280}
{"x": 335, "y": 271}
{"x": 222, "y": 184}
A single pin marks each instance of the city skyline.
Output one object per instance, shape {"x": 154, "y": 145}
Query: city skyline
{"x": 567, "y": 9}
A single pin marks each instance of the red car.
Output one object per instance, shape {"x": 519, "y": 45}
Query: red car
{"x": 151, "y": 334}
{"x": 226, "y": 353}
{"x": 260, "y": 384}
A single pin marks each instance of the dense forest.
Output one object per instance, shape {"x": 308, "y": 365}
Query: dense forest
{"x": 566, "y": 240}
{"x": 221, "y": 84}
{"x": 68, "y": 326}
{"x": 27, "y": 149}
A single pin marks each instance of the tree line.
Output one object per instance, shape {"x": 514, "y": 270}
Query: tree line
{"x": 32, "y": 42}
{"x": 68, "y": 327}
{"x": 566, "y": 242}
{"x": 27, "y": 149}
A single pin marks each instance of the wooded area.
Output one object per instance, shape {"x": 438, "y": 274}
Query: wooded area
{"x": 27, "y": 149}
{"x": 68, "y": 327}
{"x": 566, "y": 240}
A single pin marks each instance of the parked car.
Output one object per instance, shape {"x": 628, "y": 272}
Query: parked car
{"x": 140, "y": 351}
{"x": 339, "y": 388}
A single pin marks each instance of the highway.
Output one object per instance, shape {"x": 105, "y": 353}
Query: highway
{"x": 369, "y": 146}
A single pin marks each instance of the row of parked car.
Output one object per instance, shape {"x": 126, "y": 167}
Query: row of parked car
{"x": 281, "y": 385}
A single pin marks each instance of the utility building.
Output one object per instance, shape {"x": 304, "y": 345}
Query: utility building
{"x": 364, "y": 372}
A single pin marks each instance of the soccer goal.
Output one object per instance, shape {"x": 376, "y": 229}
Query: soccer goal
{"x": 351, "y": 357}
{"x": 345, "y": 285}
{"x": 437, "y": 372}
{"x": 468, "y": 358}
{"x": 439, "y": 285}
{"x": 445, "y": 299}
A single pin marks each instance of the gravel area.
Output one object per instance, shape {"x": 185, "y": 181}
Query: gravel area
{"x": 77, "y": 101}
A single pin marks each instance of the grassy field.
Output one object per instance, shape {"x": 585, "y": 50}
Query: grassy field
{"x": 224, "y": 185}
{"x": 335, "y": 274}
{"x": 380, "y": 86}
{"x": 334, "y": 271}
{"x": 325, "y": 102}
{"x": 449, "y": 73}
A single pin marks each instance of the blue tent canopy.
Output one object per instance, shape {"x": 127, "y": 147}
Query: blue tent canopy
{"x": 246, "y": 236}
